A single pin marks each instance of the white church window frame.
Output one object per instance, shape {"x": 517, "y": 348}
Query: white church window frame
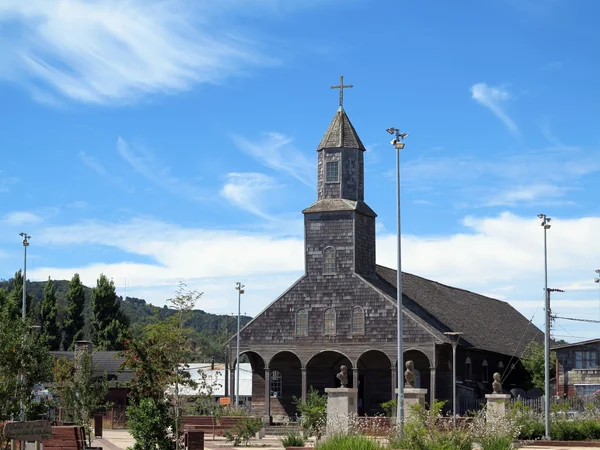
{"x": 332, "y": 172}
{"x": 329, "y": 322}
{"x": 501, "y": 368}
{"x": 329, "y": 265}
{"x": 302, "y": 322}
{"x": 275, "y": 383}
{"x": 358, "y": 320}
{"x": 485, "y": 374}
{"x": 468, "y": 369}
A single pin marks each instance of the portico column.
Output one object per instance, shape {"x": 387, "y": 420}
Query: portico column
{"x": 432, "y": 369}
{"x": 355, "y": 377}
{"x": 232, "y": 384}
{"x": 303, "y": 369}
{"x": 394, "y": 386}
{"x": 267, "y": 417}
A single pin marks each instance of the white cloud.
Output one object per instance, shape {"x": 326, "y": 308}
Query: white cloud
{"x": 6, "y": 182}
{"x": 144, "y": 162}
{"x": 93, "y": 163}
{"x": 246, "y": 191}
{"x": 276, "y": 151}
{"x": 114, "y": 51}
{"x": 493, "y": 98}
{"x": 527, "y": 194}
{"x": 18, "y": 218}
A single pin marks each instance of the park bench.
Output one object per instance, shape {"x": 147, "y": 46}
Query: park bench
{"x": 65, "y": 438}
{"x": 199, "y": 423}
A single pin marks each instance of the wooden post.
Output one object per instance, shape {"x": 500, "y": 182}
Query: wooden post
{"x": 37, "y": 445}
{"x": 13, "y": 444}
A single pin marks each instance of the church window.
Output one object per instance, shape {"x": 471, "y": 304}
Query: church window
{"x": 358, "y": 320}
{"x": 329, "y": 329}
{"x": 332, "y": 173}
{"x": 484, "y": 371}
{"x": 468, "y": 369}
{"x": 501, "y": 367}
{"x": 275, "y": 383}
{"x": 302, "y": 322}
{"x": 329, "y": 260}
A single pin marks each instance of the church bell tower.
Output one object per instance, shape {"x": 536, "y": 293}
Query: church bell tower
{"x": 340, "y": 226}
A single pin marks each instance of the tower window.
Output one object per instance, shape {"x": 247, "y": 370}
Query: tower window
{"x": 501, "y": 367}
{"x": 276, "y": 383}
{"x": 329, "y": 260}
{"x": 302, "y": 322}
{"x": 329, "y": 329}
{"x": 358, "y": 320}
{"x": 332, "y": 172}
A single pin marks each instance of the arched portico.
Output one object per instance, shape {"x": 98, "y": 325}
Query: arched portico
{"x": 422, "y": 368}
{"x": 259, "y": 376}
{"x": 374, "y": 382}
{"x": 322, "y": 368}
{"x": 285, "y": 371}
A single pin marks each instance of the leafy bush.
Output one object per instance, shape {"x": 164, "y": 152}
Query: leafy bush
{"x": 243, "y": 430}
{"x": 150, "y": 422}
{"x": 349, "y": 442}
{"x": 313, "y": 412}
{"x": 575, "y": 430}
{"x": 293, "y": 439}
{"x": 389, "y": 407}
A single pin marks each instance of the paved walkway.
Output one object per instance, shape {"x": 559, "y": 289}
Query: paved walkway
{"x": 121, "y": 439}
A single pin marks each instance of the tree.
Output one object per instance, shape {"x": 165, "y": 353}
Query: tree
{"x": 74, "y": 318}
{"x": 81, "y": 391}
{"x": 533, "y": 361}
{"x": 109, "y": 325}
{"x": 48, "y": 316}
{"x": 14, "y": 303}
{"x": 24, "y": 363}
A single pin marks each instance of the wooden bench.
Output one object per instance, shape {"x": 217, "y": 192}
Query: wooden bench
{"x": 200, "y": 423}
{"x": 65, "y": 438}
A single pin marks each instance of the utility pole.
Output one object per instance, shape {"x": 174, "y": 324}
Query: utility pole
{"x": 240, "y": 288}
{"x": 546, "y": 225}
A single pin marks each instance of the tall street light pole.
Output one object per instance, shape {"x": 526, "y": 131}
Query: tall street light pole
{"x": 398, "y": 144}
{"x": 546, "y": 224}
{"x": 455, "y": 336}
{"x": 240, "y": 288}
{"x": 26, "y": 238}
{"x": 597, "y": 280}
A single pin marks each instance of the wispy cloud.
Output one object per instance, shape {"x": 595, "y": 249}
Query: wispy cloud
{"x": 246, "y": 191}
{"x": 527, "y": 194}
{"x": 493, "y": 98}
{"x": 277, "y": 152}
{"x": 144, "y": 162}
{"x": 18, "y": 218}
{"x": 114, "y": 51}
{"x": 6, "y": 181}
{"x": 94, "y": 164}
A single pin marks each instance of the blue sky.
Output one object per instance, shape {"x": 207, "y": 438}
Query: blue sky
{"x": 164, "y": 141}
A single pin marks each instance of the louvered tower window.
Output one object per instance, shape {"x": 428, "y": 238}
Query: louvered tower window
{"x": 329, "y": 260}
{"x": 329, "y": 329}
{"x": 302, "y": 322}
{"x": 358, "y": 320}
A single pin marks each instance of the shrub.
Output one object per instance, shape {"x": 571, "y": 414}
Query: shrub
{"x": 348, "y": 442}
{"x": 293, "y": 439}
{"x": 389, "y": 407}
{"x": 313, "y": 412}
{"x": 150, "y": 422}
{"x": 243, "y": 430}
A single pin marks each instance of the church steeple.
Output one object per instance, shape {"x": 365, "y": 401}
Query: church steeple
{"x": 340, "y": 226}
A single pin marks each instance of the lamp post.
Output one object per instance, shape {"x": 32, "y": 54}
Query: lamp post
{"x": 26, "y": 238}
{"x": 546, "y": 225}
{"x": 455, "y": 336}
{"x": 399, "y": 145}
{"x": 597, "y": 280}
{"x": 240, "y": 288}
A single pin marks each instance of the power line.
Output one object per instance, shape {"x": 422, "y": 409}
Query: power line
{"x": 576, "y": 320}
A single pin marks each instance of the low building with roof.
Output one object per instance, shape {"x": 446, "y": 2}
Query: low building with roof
{"x": 578, "y": 369}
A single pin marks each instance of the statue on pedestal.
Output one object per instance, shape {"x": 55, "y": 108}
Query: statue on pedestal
{"x": 409, "y": 375}
{"x": 496, "y": 386}
{"x": 343, "y": 376}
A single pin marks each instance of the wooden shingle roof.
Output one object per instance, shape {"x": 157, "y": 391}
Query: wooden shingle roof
{"x": 486, "y": 323}
{"x": 341, "y": 133}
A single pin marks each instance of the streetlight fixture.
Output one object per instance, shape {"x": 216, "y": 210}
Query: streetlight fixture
{"x": 26, "y": 238}
{"x": 455, "y": 336}
{"x": 546, "y": 225}
{"x": 240, "y": 288}
{"x": 398, "y": 144}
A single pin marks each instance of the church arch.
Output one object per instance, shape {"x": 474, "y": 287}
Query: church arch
{"x": 302, "y": 322}
{"x": 329, "y": 325}
{"x": 322, "y": 368}
{"x": 285, "y": 384}
{"x": 422, "y": 368}
{"x": 257, "y": 379}
{"x": 358, "y": 320}
{"x": 329, "y": 261}
{"x": 468, "y": 369}
{"x": 374, "y": 381}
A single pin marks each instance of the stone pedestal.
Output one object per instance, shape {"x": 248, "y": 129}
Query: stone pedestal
{"x": 342, "y": 403}
{"x": 497, "y": 405}
{"x": 412, "y": 396}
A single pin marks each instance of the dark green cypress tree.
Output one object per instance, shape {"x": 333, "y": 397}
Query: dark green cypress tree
{"x": 74, "y": 318}
{"x": 14, "y": 304}
{"x": 109, "y": 325}
{"x": 48, "y": 316}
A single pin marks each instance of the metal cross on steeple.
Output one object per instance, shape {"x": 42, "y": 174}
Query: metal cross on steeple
{"x": 341, "y": 88}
